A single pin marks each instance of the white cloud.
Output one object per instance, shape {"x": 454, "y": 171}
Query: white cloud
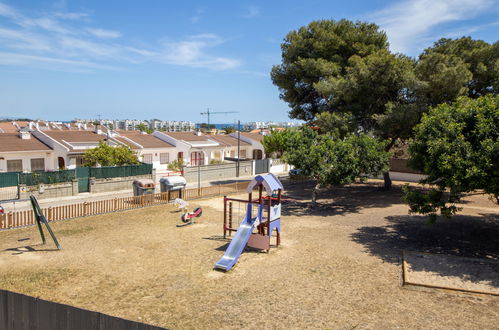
{"x": 411, "y": 23}
{"x": 71, "y": 15}
{"x": 102, "y": 33}
{"x": 62, "y": 38}
{"x": 192, "y": 52}
{"x": 199, "y": 12}
{"x": 7, "y": 58}
{"x": 252, "y": 11}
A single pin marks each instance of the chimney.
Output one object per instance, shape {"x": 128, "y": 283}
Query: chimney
{"x": 37, "y": 126}
{"x": 98, "y": 130}
{"x": 24, "y": 134}
{"x": 30, "y": 125}
{"x": 84, "y": 126}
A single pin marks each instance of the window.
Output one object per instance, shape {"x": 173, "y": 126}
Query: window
{"x": 37, "y": 164}
{"x": 242, "y": 153}
{"x": 233, "y": 153}
{"x": 15, "y": 165}
{"x": 164, "y": 158}
{"x": 147, "y": 158}
{"x": 197, "y": 158}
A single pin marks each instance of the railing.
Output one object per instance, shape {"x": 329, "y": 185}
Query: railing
{"x": 26, "y": 218}
{"x": 277, "y": 161}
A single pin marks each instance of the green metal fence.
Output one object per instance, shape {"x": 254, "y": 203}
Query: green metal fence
{"x": 31, "y": 179}
{"x": 120, "y": 171}
{"x": 9, "y": 179}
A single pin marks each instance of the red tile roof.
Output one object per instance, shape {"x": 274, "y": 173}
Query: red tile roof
{"x": 10, "y": 142}
{"x": 227, "y": 140}
{"x": 253, "y": 136}
{"x": 186, "y": 136}
{"x": 145, "y": 140}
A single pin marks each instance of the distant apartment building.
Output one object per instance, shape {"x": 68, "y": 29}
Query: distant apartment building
{"x": 268, "y": 124}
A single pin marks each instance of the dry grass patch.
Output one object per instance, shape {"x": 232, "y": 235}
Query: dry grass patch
{"x": 338, "y": 267}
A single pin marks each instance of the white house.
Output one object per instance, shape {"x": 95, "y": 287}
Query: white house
{"x": 256, "y": 149}
{"x": 21, "y": 152}
{"x": 229, "y": 144}
{"x": 69, "y": 146}
{"x": 193, "y": 148}
{"x": 150, "y": 149}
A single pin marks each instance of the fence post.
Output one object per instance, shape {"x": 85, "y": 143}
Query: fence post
{"x": 85, "y": 208}
{"x": 10, "y": 215}
{"x": 49, "y": 214}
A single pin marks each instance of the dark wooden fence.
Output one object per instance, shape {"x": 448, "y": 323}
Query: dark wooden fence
{"x": 21, "y": 312}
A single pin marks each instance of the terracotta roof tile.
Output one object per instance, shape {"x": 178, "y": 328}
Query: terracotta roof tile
{"x": 7, "y": 127}
{"x": 145, "y": 140}
{"x": 227, "y": 140}
{"x": 253, "y": 136}
{"x": 186, "y": 136}
{"x": 12, "y": 142}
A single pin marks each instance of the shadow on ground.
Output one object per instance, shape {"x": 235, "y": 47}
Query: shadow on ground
{"x": 463, "y": 235}
{"x": 29, "y": 248}
{"x": 337, "y": 200}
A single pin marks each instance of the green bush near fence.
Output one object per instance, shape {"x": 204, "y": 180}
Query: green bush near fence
{"x": 10, "y": 179}
{"x": 35, "y": 178}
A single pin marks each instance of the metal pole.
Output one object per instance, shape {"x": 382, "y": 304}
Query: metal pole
{"x": 208, "y": 112}
{"x": 238, "y": 145}
{"x": 199, "y": 173}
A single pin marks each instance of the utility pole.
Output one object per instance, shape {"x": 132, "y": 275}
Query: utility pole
{"x": 238, "y": 145}
{"x": 208, "y": 113}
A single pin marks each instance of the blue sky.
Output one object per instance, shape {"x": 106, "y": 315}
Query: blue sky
{"x": 61, "y": 60}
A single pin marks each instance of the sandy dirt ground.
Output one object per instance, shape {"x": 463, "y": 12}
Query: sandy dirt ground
{"x": 339, "y": 265}
{"x": 460, "y": 273}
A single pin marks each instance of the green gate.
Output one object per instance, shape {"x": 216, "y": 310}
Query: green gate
{"x": 82, "y": 173}
{"x": 9, "y": 179}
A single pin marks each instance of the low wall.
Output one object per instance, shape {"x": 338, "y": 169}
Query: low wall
{"x": 407, "y": 177}
{"x": 55, "y": 190}
{"x": 115, "y": 184}
{"x": 218, "y": 171}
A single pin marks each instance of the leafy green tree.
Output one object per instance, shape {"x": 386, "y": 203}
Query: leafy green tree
{"x": 175, "y": 165}
{"x": 229, "y": 129}
{"x": 143, "y": 128}
{"x": 317, "y": 52}
{"x": 336, "y": 124}
{"x": 106, "y": 155}
{"x": 329, "y": 160}
{"x": 276, "y": 143}
{"x": 346, "y": 69}
{"x": 457, "y": 67}
{"x": 457, "y": 146}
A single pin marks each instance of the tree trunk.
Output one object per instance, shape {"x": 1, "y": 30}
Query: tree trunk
{"x": 314, "y": 194}
{"x": 386, "y": 175}
{"x": 388, "y": 181}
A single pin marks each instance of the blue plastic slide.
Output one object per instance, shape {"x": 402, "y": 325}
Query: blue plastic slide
{"x": 237, "y": 244}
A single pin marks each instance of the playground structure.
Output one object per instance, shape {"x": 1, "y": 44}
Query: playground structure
{"x": 187, "y": 216}
{"x": 41, "y": 219}
{"x": 262, "y": 213}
